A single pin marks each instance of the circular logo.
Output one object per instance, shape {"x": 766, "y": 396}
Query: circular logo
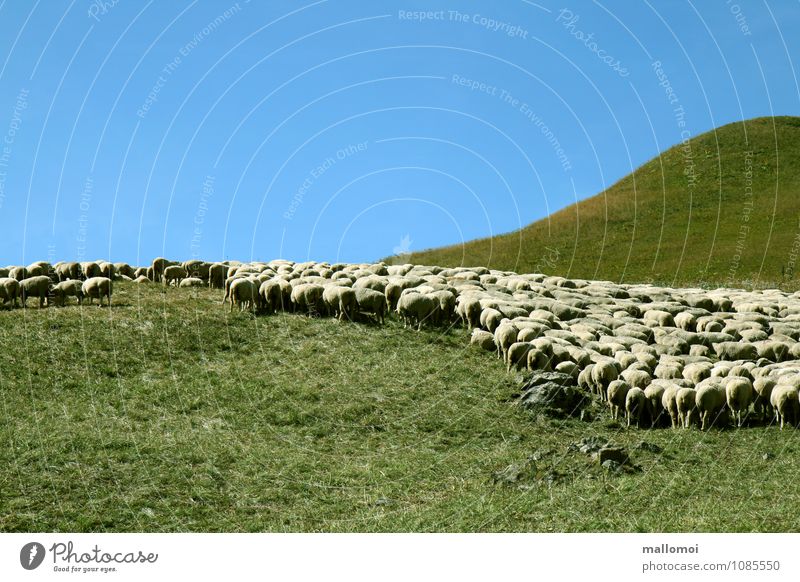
{"x": 31, "y": 555}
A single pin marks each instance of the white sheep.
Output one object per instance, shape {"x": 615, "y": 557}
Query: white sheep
{"x": 784, "y": 400}
{"x": 762, "y": 387}
{"x": 739, "y": 395}
{"x": 616, "y": 395}
{"x": 482, "y": 339}
{"x": 504, "y": 336}
{"x": 635, "y": 404}
{"x": 372, "y": 302}
{"x": 9, "y": 290}
{"x": 710, "y": 400}
{"x": 244, "y": 293}
{"x": 174, "y": 274}
{"x": 97, "y": 287}
{"x": 603, "y": 374}
{"x": 37, "y": 286}
{"x": 68, "y": 288}
{"x": 686, "y": 406}
{"x": 416, "y": 309}
{"x": 670, "y": 403}
{"x": 517, "y": 355}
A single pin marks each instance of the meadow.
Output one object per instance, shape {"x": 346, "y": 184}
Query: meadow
{"x": 167, "y": 413}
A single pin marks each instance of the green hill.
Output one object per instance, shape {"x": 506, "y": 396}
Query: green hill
{"x": 721, "y": 209}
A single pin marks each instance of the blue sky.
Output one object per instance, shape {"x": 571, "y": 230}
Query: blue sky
{"x": 346, "y": 130}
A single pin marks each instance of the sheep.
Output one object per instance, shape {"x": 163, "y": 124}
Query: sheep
{"x": 217, "y": 273}
{"x": 98, "y": 287}
{"x": 657, "y": 317}
{"x": 191, "y": 282}
{"x": 686, "y": 406}
{"x": 469, "y": 309}
{"x": 65, "y": 289}
{"x": 197, "y": 269}
{"x": 371, "y": 302}
{"x": 710, "y": 400}
{"x": 603, "y": 374}
{"x": 125, "y": 269}
{"x": 784, "y": 400}
{"x": 244, "y": 293}
{"x": 9, "y": 290}
{"x": 670, "y": 404}
{"x": 635, "y": 404}
{"x": 65, "y": 271}
{"x": 585, "y": 378}
{"x": 90, "y": 269}
{"x": 158, "y": 266}
{"x": 537, "y": 359}
{"x": 654, "y": 394}
{"x": 173, "y": 274}
{"x": 735, "y": 351}
{"x": 37, "y": 286}
{"x": 308, "y": 297}
{"x": 416, "y": 308}
{"x": 696, "y": 372}
{"x": 490, "y": 319}
{"x": 18, "y": 273}
{"x": 569, "y": 368}
{"x": 517, "y": 355}
{"x": 739, "y": 395}
{"x": 762, "y": 404}
{"x": 482, "y": 339}
{"x": 685, "y": 320}
{"x": 107, "y": 270}
{"x": 504, "y": 336}
{"x": 616, "y": 395}
{"x": 637, "y": 378}
{"x": 142, "y": 279}
{"x": 447, "y": 303}
{"x": 341, "y": 301}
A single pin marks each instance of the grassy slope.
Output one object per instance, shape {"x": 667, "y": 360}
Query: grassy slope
{"x": 165, "y": 413}
{"x": 652, "y": 226}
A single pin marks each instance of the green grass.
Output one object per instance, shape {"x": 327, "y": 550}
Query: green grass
{"x": 165, "y": 413}
{"x": 658, "y": 225}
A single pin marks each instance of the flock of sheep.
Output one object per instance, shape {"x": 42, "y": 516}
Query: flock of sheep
{"x": 657, "y": 355}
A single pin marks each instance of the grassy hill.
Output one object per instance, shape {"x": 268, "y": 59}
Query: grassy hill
{"x": 166, "y": 413}
{"x": 724, "y": 208}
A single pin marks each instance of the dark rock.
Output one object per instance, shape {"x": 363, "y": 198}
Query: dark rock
{"x": 553, "y": 393}
{"x": 612, "y": 453}
{"x": 588, "y": 445}
{"x": 649, "y": 447}
{"x": 612, "y": 466}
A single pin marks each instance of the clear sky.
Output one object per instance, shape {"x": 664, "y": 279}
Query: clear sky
{"x": 348, "y": 130}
